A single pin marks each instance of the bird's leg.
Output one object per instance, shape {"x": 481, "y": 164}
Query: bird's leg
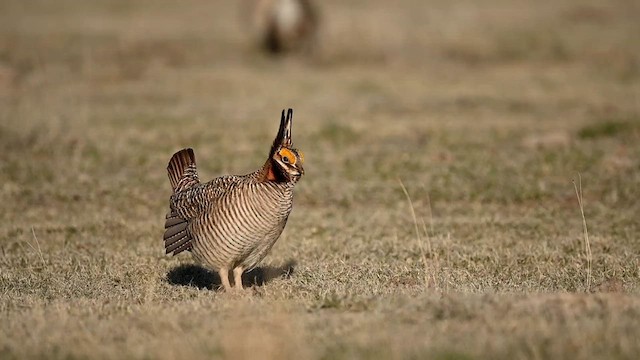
{"x": 237, "y": 277}
{"x": 224, "y": 276}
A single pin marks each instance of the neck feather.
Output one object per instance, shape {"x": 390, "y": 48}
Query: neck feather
{"x": 271, "y": 172}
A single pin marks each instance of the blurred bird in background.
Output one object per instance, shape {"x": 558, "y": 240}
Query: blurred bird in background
{"x": 283, "y": 26}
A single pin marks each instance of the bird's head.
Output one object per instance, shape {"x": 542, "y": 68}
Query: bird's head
{"x": 287, "y": 160}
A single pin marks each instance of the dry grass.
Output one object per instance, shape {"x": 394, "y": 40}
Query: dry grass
{"x": 485, "y": 111}
{"x": 587, "y": 244}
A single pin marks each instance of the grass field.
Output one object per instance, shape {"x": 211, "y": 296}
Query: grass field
{"x": 485, "y": 112}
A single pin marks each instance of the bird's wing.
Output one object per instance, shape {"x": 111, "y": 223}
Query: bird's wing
{"x": 187, "y": 205}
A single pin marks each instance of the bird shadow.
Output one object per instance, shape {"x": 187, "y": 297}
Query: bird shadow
{"x": 203, "y": 278}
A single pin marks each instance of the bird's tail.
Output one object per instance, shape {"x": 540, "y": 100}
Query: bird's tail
{"x": 182, "y": 170}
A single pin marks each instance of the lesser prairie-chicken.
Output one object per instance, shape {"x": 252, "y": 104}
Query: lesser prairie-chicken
{"x": 284, "y": 25}
{"x": 231, "y": 222}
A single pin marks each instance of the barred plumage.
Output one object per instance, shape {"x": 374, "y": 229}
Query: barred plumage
{"x": 231, "y": 222}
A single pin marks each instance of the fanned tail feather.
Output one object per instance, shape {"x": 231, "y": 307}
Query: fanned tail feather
{"x": 182, "y": 170}
{"x": 182, "y": 175}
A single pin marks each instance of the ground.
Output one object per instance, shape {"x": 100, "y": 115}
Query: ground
{"x": 446, "y": 148}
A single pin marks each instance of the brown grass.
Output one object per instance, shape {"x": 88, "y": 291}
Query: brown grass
{"x": 587, "y": 244}
{"x": 485, "y": 111}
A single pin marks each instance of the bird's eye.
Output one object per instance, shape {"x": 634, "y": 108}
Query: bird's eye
{"x": 287, "y": 156}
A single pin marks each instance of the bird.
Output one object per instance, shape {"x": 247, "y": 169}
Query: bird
{"x": 231, "y": 222}
{"x": 284, "y": 26}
